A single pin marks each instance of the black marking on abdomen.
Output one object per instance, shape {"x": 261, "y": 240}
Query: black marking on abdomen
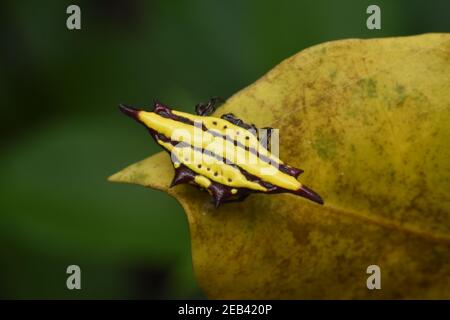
{"x": 270, "y": 187}
{"x": 166, "y": 112}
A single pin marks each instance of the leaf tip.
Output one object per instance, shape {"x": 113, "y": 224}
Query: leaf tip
{"x": 116, "y": 177}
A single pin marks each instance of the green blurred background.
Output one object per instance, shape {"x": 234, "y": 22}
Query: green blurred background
{"x": 62, "y": 134}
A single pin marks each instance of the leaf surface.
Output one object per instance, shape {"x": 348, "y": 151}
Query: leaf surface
{"x": 368, "y": 121}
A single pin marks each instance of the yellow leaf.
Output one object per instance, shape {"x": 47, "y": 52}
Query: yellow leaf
{"x": 369, "y": 122}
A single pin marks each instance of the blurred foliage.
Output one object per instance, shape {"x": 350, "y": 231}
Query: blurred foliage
{"x": 62, "y": 134}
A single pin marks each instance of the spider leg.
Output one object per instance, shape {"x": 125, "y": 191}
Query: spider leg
{"x": 206, "y": 109}
{"x": 239, "y": 198}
